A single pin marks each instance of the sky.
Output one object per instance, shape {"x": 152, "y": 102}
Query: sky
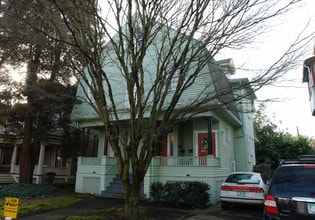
{"x": 290, "y": 109}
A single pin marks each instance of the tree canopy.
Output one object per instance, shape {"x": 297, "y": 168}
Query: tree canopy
{"x": 272, "y": 144}
{"x": 43, "y": 102}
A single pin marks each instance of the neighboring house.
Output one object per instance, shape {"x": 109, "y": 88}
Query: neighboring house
{"x": 184, "y": 155}
{"x": 309, "y": 77}
{"x": 48, "y": 159}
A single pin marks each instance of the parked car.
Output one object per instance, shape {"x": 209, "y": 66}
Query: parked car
{"x": 244, "y": 188}
{"x": 291, "y": 193}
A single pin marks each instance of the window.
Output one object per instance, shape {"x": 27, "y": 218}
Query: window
{"x": 138, "y": 42}
{"x": 174, "y": 81}
{"x": 242, "y": 178}
{"x": 139, "y": 39}
{"x": 48, "y": 158}
{"x": 223, "y": 137}
{"x": 228, "y": 135}
{"x": 90, "y": 97}
{"x": 127, "y": 103}
{"x": 293, "y": 177}
{"x": 251, "y": 146}
{"x": 166, "y": 147}
{"x": 175, "y": 77}
{"x": 170, "y": 145}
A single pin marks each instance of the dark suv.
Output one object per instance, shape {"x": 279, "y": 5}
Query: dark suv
{"x": 291, "y": 193}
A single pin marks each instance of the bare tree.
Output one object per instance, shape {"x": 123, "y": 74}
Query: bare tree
{"x": 183, "y": 37}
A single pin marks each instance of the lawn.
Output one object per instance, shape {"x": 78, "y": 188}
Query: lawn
{"x": 34, "y": 199}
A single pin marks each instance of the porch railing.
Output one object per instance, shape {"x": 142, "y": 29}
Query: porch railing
{"x": 96, "y": 161}
{"x": 180, "y": 161}
{"x": 184, "y": 161}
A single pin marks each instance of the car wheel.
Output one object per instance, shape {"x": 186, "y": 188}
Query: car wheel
{"x": 224, "y": 205}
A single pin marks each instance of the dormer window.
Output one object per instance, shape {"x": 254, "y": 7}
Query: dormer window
{"x": 139, "y": 39}
{"x": 135, "y": 96}
{"x": 174, "y": 81}
{"x": 127, "y": 102}
{"x": 138, "y": 42}
{"x": 90, "y": 97}
{"x": 175, "y": 77}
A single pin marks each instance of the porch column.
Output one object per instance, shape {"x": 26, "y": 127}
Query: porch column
{"x": 210, "y": 136}
{"x": 40, "y": 162}
{"x": 13, "y": 158}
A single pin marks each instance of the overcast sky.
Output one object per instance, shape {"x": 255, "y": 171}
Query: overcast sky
{"x": 291, "y": 105}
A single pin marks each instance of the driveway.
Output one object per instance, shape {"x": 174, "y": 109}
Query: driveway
{"x": 240, "y": 212}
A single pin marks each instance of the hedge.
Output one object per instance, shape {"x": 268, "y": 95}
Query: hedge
{"x": 194, "y": 194}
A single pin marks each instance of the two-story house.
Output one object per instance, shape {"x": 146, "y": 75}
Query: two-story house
{"x": 185, "y": 154}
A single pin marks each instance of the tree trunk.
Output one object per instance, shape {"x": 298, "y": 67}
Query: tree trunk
{"x": 26, "y": 159}
{"x": 132, "y": 202}
{"x": 26, "y": 163}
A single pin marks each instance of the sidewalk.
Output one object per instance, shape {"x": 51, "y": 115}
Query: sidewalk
{"x": 99, "y": 203}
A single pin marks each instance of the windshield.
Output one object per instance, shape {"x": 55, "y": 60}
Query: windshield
{"x": 242, "y": 178}
{"x": 298, "y": 178}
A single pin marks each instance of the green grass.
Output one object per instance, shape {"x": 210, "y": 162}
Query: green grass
{"x": 34, "y": 199}
{"x": 45, "y": 201}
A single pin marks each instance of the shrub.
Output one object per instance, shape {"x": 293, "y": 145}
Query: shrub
{"x": 157, "y": 191}
{"x": 196, "y": 194}
{"x": 193, "y": 194}
{"x": 26, "y": 190}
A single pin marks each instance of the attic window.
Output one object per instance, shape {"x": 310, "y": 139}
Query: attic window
{"x": 138, "y": 42}
{"x": 127, "y": 102}
{"x": 139, "y": 39}
{"x": 175, "y": 77}
{"x": 90, "y": 97}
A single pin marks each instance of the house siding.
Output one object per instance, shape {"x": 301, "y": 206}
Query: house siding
{"x": 231, "y": 130}
{"x": 210, "y": 175}
{"x": 213, "y": 173}
{"x": 95, "y": 171}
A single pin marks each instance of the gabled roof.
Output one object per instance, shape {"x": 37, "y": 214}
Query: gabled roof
{"x": 223, "y": 88}
{"x": 245, "y": 84}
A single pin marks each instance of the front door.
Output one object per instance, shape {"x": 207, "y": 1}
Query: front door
{"x": 203, "y": 144}
{"x": 163, "y": 150}
{"x": 167, "y": 150}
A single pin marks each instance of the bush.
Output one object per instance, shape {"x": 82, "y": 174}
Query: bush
{"x": 193, "y": 194}
{"x": 26, "y": 190}
{"x": 157, "y": 191}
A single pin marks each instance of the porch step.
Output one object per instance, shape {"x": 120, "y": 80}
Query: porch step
{"x": 115, "y": 189}
{"x": 7, "y": 178}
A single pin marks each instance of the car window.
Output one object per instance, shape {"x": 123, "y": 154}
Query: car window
{"x": 288, "y": 177}
{"x": 242, "y": 178}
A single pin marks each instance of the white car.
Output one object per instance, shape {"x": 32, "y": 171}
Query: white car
{"x": 244, "y": 188}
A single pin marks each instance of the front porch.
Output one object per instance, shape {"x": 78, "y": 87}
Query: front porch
{"x": 95, "y": 174}
{"x": 49, "y": 162}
